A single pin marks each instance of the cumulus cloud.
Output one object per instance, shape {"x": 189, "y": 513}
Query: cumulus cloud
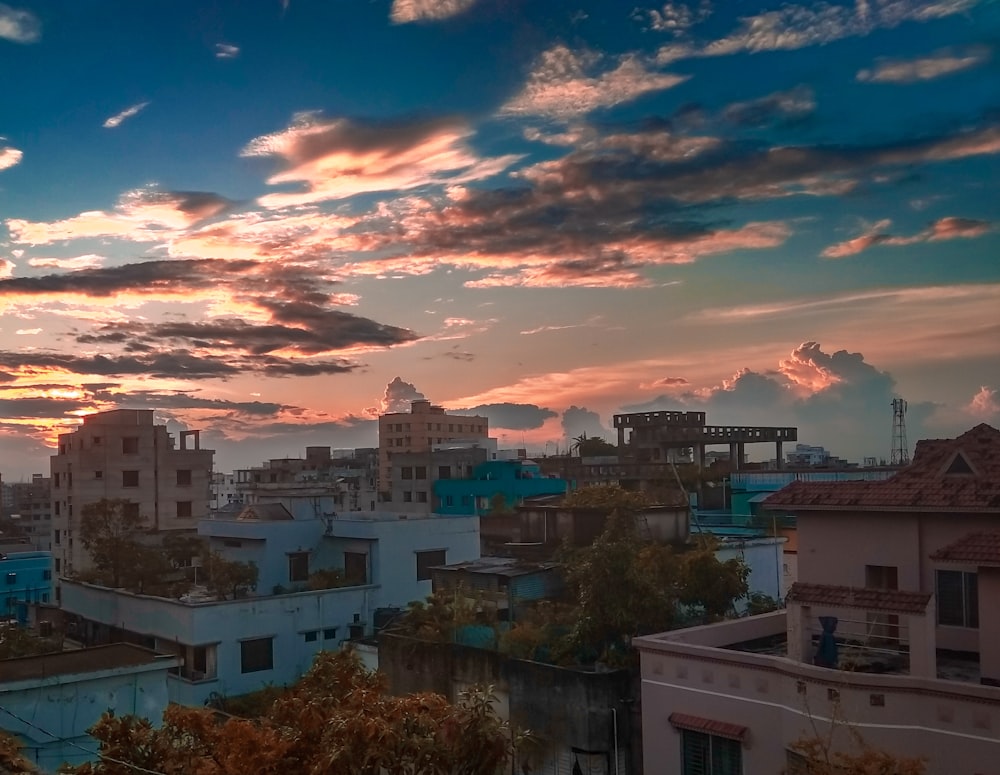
{"x": 676, "y": 18}
{"x": 985, "y": 404}
{"x": 339, "y": 158}
{"x": 793, "y": 26}
{"x": 578, "y": 420}
{"x": 941, "y": 229}
{"x": 6, "y": 268}
{"x": 116, "y": 120}
{"x": 670, "y": 383}
{"x": 89, "y": 261}
{"x": 564, "y": 84}
{"x": 941, "y": 63}
{"x": 18, "y": 25}
{"x": 226, "y": 51}
{"x": 398, "y": 395}
{"x": 9, "y": 156}
{"x": 405, "y": 11}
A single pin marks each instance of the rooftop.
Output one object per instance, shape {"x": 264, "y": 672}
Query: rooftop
{"x": 961, "y": 474}
{"x": 499, "y": 566}
{"x": 977, "y": 548}
{"x": 88, "y": 660}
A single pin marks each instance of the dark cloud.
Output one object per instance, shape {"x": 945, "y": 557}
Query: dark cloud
{"x": 577, "y": 421}
{"x": 152, "y": 399}
{"x": 780, "y": 108}
{"x": 147, "y": 277}
{"x": 515, "y": 417}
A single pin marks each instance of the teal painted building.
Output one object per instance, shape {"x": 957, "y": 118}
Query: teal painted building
{"x": 514, "y": 480}
{"x": 25, "y": 577}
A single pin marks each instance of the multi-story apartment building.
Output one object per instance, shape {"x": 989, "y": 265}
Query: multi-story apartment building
{"x": 123, "y": 454}
{"x": 29, "y": 509}
{"x": 418, "y": 431}
{"x": 891, "y": 634}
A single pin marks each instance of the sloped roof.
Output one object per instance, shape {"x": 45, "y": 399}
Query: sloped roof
{"x": 974, "y": 548}
{"x": 959, "y": 475}
{"x": 266, "y": 512}
{"x": 891, "y": 600}
{"x": 713, "y": 727}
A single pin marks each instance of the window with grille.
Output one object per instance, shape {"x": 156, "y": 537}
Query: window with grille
{"x": 957, "y": 598}
{"x": 184, "y": 509}
{"x": 184, "y": 477}
{"x": 256, "y": 655}
{"x": 298, "y": 566}
{"x": 705, "y": 754}
{"x": 427, "y": 560}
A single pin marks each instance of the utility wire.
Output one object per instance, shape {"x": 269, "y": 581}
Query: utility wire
{"x": 87, "y": 751}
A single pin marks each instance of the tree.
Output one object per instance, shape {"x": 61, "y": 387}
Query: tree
{"x": 110, "y": 532}
{"x": 228, "y": 578}
{"x": 12, "y": 760}
{"x": 337, "y": 718}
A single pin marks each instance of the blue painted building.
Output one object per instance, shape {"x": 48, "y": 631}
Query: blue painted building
{"x": 25, "y": 577}
{"x": 514, "y": 480}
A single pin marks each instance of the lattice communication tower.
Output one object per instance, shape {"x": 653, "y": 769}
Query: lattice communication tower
{"x": 900, "y": 449}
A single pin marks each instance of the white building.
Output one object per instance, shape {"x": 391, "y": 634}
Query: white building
{"x": 50, "y": 701}
{"x": 231, "y": 647}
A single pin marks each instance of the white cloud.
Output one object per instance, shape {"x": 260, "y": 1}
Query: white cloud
{"x": 117, "y": 119}
{"x": 226, "y": 51}
{"x": 18, "y": 25}
{"x": 89, "y": 261}
{"x": 566, "y": 84}
{"x": 984, "y": 404}
{"x": 405, "y": 11}
{"x": 939, "y": 64}
{"x": 9, "y": 156}
{"x": 797, "y": 26}
{"x": 6, "y": 268}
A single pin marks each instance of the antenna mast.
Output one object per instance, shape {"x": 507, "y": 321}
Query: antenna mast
{"x": 900, "y": 449}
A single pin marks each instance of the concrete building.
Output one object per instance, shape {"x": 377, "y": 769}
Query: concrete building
{"x": 899, "y": 581}
{"x": 50, "y": 701}
{"x": 231, "y": 647}
{"x": 123, "y": 454}
{"x": 28, "y": 507}
{"x": 418, "y": 431}
{"x": 414, "y": 476}
{"x": 25, "y": 578}
{"x": 678, "y": 436}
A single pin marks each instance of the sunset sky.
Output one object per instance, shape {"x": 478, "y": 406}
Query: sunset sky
{"x": 272, "y": 220}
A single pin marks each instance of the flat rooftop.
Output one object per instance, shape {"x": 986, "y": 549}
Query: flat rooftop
{"x": 90, "y": 660}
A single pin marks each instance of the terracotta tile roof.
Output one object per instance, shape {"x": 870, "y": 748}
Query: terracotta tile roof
{"x": 712, "y": 727}
{"x": 974, "y": 548}
{"x": 890, "y": 600}
{"x": 956, "y": 475}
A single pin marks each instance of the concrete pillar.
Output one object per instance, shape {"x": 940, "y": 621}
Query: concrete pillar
{"x": 741, "y": 455}
{"x": 734, "y": 456}
{"x": 989, "y": 625}
{"x": 699, "y": 456}
{"x": 799, "y": 636}
{"x": 779, "y": 455}
{"x": 621, "y": 438}
{"x": 923, "y": 643}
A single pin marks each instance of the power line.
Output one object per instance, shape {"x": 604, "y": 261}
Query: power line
{"x": 68, "y": 741}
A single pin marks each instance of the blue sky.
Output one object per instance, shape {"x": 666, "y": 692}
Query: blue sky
{"x": 272, "y": 221}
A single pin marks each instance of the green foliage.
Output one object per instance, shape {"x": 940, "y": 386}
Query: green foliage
{"x": 328, "y": 578}
{"x": 16, "y": 642}
{"x": 12, "y": 760}
{"x": 609, "y": 498}
{"x": 499, "y": 505}
{"x": 592, "y": 446}
{"x": 111, "y": 535}
{"x": 228, "y": 578}
{"x": 759, "y": 603}
{"x": 710, "y": 585}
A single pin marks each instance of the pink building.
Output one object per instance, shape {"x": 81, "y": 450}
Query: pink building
{"x": 907, "y": 572}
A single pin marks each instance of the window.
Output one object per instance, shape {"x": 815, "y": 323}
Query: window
{"x": 705, "y": 754}
{"x": 311, "y": 636}
{"x": 407, "y": 497}
{"x": 98, "y": 474}
{"x": 130, "y": 445}
{"x": 55, "y": 480}
{"x": 420, "y": 472}
{"x": 356, "y": 567}
{"x": 47, "y": 575}
{"x": 256, "y": 655}
{"x": 11, "y": 578}
{"x": 426, "y": 560}
{"x": 57, "y": 511}
{"x": 130, "y": 478}
{"x": 406, "y": 472}
{"x": 57, "y": 537}
{"x": 957, "y": 598}
{"x": 97, "y": 441}
{"x": 58, "y": 565}
{"x": 184, "y": 509}
{"x": 444, "y": 472}
{"x": 421, "y": 496}
{"x": 298, "y": 566}
{"x": 130, "y": 510}
{"x": 330, "y": 633}
{"x": 183, "y": 477}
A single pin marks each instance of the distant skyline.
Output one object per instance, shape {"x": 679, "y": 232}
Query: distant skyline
{"x": 274, "y": 221}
